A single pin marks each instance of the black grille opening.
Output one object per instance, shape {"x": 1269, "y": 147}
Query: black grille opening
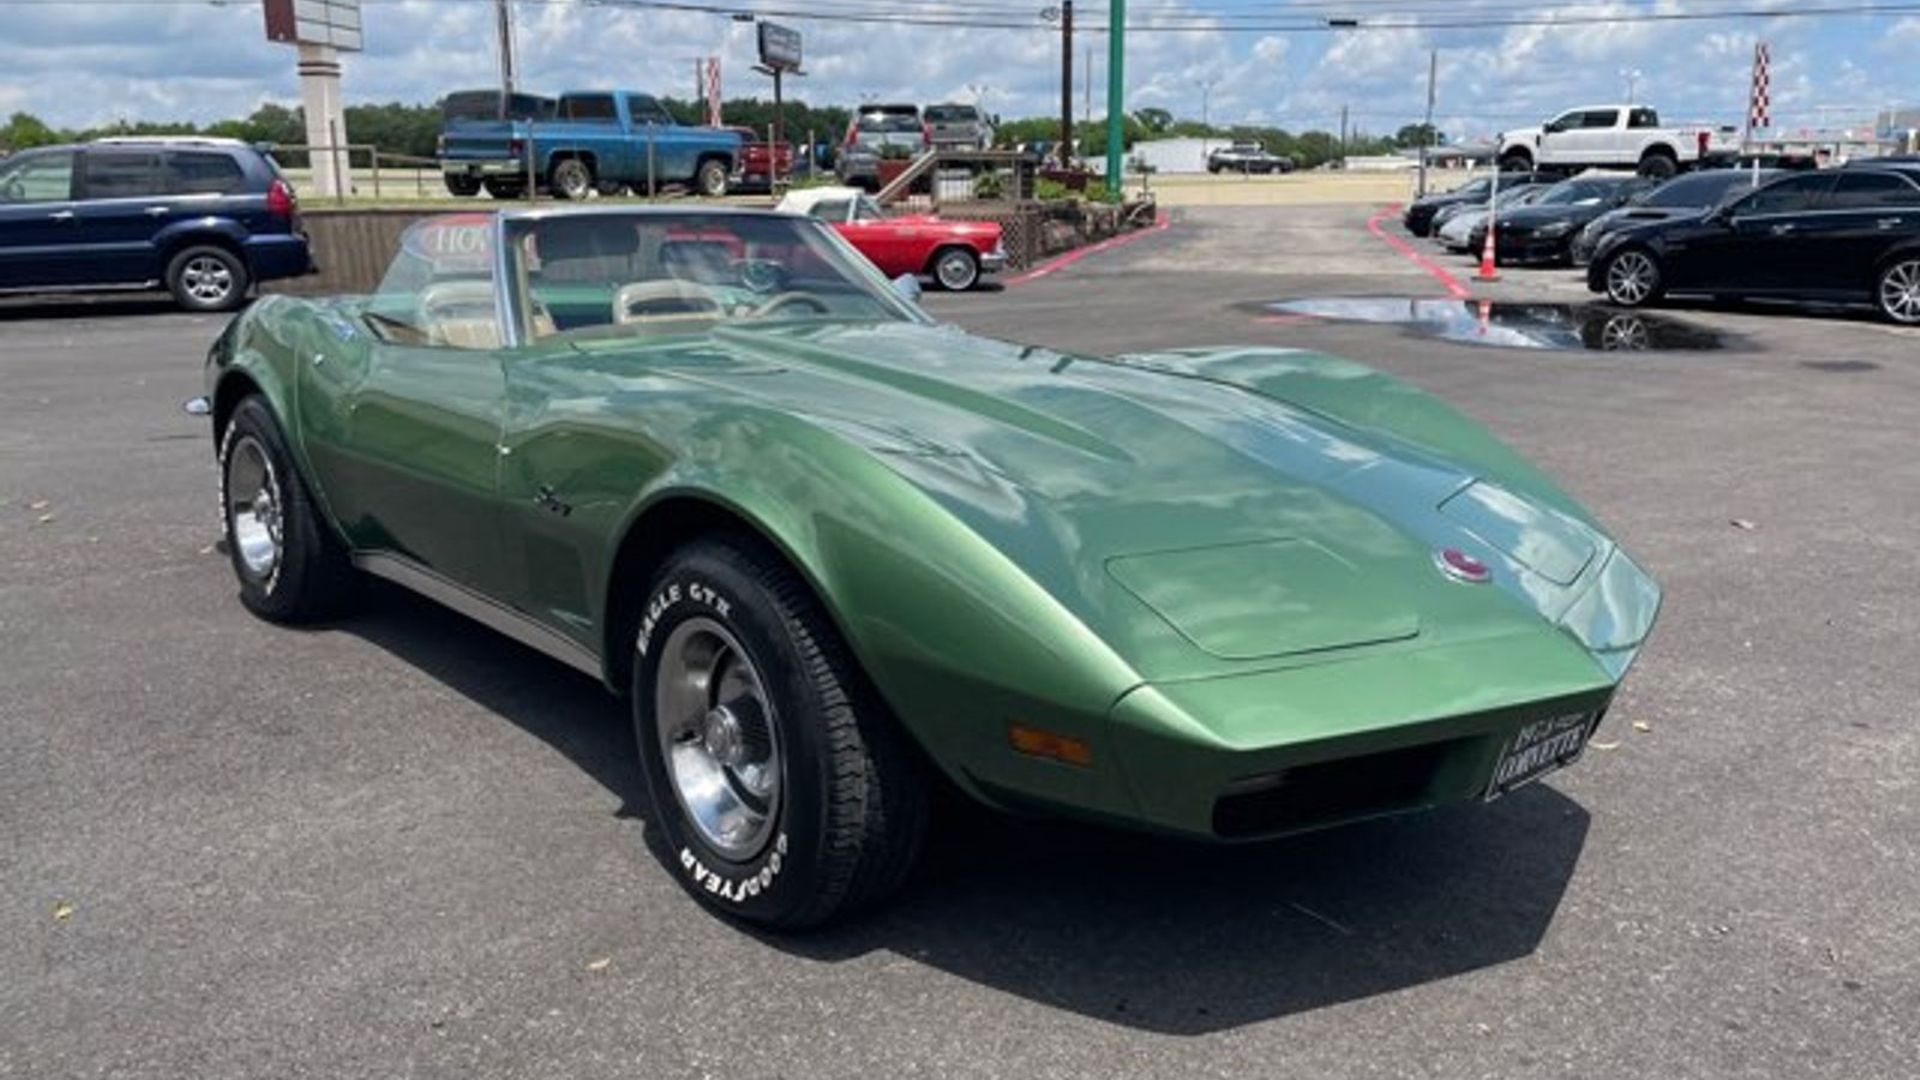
{"x": 1332, "y": 791}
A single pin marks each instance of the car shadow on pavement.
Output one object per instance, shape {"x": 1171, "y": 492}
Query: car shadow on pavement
{"x": 569, "y": 711}
{"x": 1186, "y": 939}
{"x": 100, "y": 306}
{"x": 1156, "y": 934}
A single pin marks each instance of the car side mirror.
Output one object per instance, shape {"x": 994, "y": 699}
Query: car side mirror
{"x": 907, "y": 287}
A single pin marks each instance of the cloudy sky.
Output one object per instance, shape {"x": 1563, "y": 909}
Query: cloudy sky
{"x": 76, "y": 62}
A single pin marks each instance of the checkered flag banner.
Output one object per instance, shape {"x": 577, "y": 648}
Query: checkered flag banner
{"x": 712, "y": 87}
{"x": 1760, "y": 106}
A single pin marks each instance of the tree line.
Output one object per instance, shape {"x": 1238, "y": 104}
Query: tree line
{"x": 398, "y": 128}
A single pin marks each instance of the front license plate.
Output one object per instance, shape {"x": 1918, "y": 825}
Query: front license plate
{"x": 1541, "y": 747}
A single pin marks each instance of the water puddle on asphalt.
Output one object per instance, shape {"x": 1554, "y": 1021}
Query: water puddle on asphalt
{"x": 1509, "y": 325}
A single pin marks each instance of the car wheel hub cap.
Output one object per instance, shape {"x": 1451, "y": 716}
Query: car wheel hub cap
{"x": 1900, "y": 292}
{"x": 253, "y": 493}
{"x": 1631, "y": 278}
{"x": 953, "y": 271}
{"x": 721, "y": 749}
{"x": 207, "y": 279}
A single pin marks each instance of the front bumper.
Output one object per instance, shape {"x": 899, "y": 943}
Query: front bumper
{"x": 1292, "y": 750}
{"x": 993, "y": 261}
{"x": 1530, "y": 250}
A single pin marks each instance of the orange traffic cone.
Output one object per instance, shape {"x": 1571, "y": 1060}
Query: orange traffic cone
{"x": 1488, "y": 272}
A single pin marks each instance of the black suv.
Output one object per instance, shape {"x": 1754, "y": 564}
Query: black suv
{"x": 207, "y": 218}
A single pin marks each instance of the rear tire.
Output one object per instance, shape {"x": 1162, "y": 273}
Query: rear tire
{"x": 465, "y": 187}
{"x": 1658, "y": 165}
{"x": 783, "y": 793}
{"x": 1633, "y": 278}
{"x": 957, "y": 269}
{"x": 506, "y": 189}
{"x": 290, "y": 567}
{"x": 208, "y": 279}
{"x": 1897, "y": 291}
{"x": 572, "y": 179}
{"x": 711, "y": 179}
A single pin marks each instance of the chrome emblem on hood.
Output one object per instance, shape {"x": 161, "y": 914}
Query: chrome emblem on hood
{"x": 1461, "y": 566}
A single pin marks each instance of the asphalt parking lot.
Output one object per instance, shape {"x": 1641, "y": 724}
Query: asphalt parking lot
{"x": 403, "y": 846}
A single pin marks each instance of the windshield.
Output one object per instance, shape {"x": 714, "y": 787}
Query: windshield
{"x": 1574, "y": 192}
{"x": 889, "y": 123}
{"x": 1474, "y": 189}
{"x": 640, "y": 274}
{"x": 947, "y": 114}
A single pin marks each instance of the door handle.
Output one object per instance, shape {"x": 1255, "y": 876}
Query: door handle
{"x": 1887, "y": 222}
{"x": 1780, "y": 230}
{"x": 156, "y": 211}
{"x": 61, "y": 215}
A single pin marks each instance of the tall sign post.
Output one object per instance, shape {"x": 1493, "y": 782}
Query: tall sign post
{"x": 779, "y": 55}
{"x": 321, "y": 30}
{"x": 1116, "y": 92}
{"x": 503, "y": 17}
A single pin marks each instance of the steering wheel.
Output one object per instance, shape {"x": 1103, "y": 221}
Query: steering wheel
{"x": 13, "y": 191}
{"x": 779, "y": 301}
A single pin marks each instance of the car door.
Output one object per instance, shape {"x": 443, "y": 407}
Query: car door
{"x": 1750, "y": 245}
{"x": 37, "y": 234}
{"x": 892, "y": 245}
{"x": 123, "y": 205}
{"x": 1592, "y": 143}
{"x": 401, "y": 402}
{"x": 1864, "y": 214}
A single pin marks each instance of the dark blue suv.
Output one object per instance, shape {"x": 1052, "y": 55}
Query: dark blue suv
{"x": 205, "y": 218}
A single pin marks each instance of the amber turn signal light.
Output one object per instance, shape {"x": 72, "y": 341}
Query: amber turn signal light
{"x": 1048, "y": 744}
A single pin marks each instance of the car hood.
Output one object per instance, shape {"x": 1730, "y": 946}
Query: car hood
{"x": 1197, "y": 525}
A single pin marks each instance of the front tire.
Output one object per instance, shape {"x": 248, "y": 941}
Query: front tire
{"x": 711, "y": 179}
{"x": 782, "y": 791}
{"x": 208, "y": 279}
{"x": 1898, "y": 291}
{"x": 290, "y": 567}
{"x": 1516, "y": 163}
{"x": 571, "y": 179}
{"x": 1633, "y": 278}
{"x": 956, "y": 269}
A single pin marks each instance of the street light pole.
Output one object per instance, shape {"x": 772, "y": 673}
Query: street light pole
{"x": 1206, "y": 113}
{"x": 503, "y": 16}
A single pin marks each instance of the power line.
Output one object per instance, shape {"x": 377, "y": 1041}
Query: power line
{"x": 1155, "y": 20}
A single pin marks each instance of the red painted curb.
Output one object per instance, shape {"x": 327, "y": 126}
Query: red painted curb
{"x": 1061, "y": 262}
{"x": 1459, "y": 291}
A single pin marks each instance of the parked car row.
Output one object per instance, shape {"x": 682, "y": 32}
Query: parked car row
{"x": 1846, "y": 236}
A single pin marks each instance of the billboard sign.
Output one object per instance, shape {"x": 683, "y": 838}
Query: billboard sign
{"x": 314, "y": 22}
{"x": 779, "y": 47}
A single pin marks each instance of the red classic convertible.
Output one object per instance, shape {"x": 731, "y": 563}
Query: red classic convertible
{"x": 953, "y": 253}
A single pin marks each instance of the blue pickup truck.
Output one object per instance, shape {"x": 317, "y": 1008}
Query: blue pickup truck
{"x": 601, "y": 140}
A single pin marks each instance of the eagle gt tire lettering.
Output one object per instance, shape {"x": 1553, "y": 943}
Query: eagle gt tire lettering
{"x": 783, "y": 792}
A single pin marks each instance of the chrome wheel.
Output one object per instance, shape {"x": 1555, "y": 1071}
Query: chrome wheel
{"x": 207, "y": 279}
{"x": 254, "y": 507}
{"x": 1631, "y": 278}
{"x": 956, "y": 270}
{"x": 718, "y": 738}
{"x": 1900, "y": 292}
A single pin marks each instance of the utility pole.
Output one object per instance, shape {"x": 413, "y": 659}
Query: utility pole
{"x": 1206, "y": 113}
{"x": 1343, "y": 136}
{"x": 503, "y": 14}
{"x": 1086, "y": 81}
{"x": 1066, "y": 84}
{"x": 1116, "y": 92}
{"x": 1426, "y": 133}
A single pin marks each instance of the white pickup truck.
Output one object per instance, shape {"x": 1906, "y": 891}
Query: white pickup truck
{"x": 1619, "y": 137}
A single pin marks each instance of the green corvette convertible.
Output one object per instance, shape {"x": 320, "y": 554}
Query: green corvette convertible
{"x": 833, "y": 551}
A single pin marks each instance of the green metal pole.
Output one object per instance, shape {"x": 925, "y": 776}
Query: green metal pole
{"x": 1116, "y": 91}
